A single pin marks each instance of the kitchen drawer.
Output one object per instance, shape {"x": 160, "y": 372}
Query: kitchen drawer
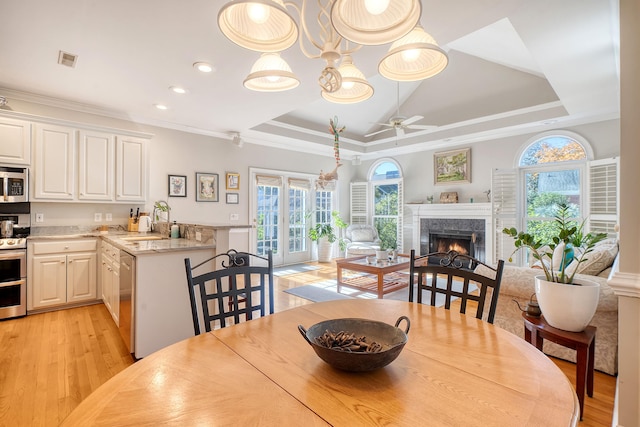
{"x": 64, "y": 246}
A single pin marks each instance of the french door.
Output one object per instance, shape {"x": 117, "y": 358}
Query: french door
{"x": 280, "y": 205}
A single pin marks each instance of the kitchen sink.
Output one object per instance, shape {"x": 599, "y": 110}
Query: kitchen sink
{"x": 141, "y": 238}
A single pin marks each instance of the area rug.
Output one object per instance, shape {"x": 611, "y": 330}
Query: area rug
{"x": 326, "y": 290}
{"x": 294, "y": 269}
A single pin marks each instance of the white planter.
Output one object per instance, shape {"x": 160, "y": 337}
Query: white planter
{"x": 325, "y": 250}
{"x": 567, "y": 307}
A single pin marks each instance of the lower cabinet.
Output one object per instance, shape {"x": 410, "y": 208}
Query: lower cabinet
{"x": 62, "y": 272}
{"x": 110, "y": 279}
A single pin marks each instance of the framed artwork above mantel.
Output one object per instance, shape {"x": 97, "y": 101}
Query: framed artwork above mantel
{"x": 452, "y": 167}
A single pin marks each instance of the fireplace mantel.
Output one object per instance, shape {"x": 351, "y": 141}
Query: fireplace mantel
{"x": 453, "y": 211}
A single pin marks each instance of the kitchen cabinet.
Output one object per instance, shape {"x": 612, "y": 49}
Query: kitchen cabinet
{"x": 85, "y": 165}
{"x": 15, "y": 141}
{"x": 131, "y": 169}
{"x": 110, "y": 279}
{"x": 95, "y": 166}
{"x": 61, "y": 272}
{"x": 54, "y": 162}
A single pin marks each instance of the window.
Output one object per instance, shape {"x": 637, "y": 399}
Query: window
{"x": 386, "y": 185}
{"x": 553, "y": 170}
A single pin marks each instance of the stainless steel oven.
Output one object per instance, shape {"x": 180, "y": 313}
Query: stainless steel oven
{"x": 13, "y": 260}
{"x": 14, "y": 184}
{"x": 13, "y": 283}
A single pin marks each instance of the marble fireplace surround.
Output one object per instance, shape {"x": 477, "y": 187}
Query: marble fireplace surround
{"x": 455, "y": 216}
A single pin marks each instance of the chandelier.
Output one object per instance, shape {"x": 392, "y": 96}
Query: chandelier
{"x": 267, "y": 26}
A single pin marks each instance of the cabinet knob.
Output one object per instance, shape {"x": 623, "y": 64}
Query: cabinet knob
{"x": 66, "y": 247}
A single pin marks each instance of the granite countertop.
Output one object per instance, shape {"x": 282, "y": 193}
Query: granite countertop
{"x": 134, "y": 247}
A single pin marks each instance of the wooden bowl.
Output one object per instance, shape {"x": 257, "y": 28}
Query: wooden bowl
{"x": 392, "y": 339}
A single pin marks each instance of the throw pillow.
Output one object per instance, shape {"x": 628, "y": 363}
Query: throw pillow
{"x": 596, "y": 261}
{"x": 361, "y": 236}
{"x": 558, "y": 256}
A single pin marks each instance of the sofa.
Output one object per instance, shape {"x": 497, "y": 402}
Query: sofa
{"x": 361, "y": 239}
{"x": 518, "y": 284}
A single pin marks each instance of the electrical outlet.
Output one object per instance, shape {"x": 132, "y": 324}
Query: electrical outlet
{"x": 198, "y": 236}
{"x": 108, "y": 217}
{"x": 39, "y": 217}
{"x": 234, "y": 217}
{"x": 97, "y": 217}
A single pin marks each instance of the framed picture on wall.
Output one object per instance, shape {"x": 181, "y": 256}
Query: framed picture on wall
{"x": 233, "y": 181}
{"x": 177, "y": 186}
{"x": 206, "y": 187}
{"x": 232, "y": 198}
{"x": 452, "y": 167}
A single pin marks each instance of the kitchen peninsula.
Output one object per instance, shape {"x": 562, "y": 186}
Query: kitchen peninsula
{"x": 156, "y": 307}
{"x": 160, "y": 300}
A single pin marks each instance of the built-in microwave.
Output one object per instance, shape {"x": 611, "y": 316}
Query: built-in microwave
{"x": 14, "y": 184}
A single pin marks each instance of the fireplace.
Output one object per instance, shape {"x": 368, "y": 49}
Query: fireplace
{"x": 465, "y": 236}
{"x": 462, "y": 242}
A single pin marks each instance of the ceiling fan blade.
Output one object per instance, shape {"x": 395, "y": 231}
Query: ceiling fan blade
{"x": 412, "y": 120}
{"x": 375, "y": 133}
{"x": 423, "y": 127}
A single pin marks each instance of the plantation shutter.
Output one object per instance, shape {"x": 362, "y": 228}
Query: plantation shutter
{"x": 603, "y": 196}
{"x": 400, "y": 233}
{"x": 505, "y": 211}
{"x": 359, "y": 203}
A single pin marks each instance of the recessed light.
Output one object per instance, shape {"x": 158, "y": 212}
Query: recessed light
{"x": 161, "y": 107}
{"x": 178, "y": 89}
{"x": 204, "y": 67}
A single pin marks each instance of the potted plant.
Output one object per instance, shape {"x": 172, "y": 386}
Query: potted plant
{"x": 325, "y": 235}
{"x": 566, "y": 302}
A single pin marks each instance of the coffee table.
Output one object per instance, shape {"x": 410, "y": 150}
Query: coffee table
{"x": 380, "y": 277}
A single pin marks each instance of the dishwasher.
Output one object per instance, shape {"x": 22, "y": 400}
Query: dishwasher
{"x": 127, "y": 301}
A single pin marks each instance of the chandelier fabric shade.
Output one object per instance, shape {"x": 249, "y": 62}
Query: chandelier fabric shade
{"x": 271, "y": 73}
{"x": 416, "y": 56}
{"x": 374, "y": 22}
{"x": 259, "y": 25}
{"x": 355, "y": 87}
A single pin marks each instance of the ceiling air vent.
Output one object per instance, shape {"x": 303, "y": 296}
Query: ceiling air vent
{"x": 67, "y": 59}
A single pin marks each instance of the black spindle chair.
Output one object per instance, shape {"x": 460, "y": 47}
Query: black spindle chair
{"x": 240, "y": 287}
{"x": 467, "y": 279}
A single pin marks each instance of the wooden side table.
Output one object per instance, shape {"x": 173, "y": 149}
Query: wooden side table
{"x": 536, "y": 329}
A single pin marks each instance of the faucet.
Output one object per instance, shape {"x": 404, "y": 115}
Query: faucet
{"x": 162, "y": 206}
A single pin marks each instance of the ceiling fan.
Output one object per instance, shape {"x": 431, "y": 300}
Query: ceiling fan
{"x": 400, "y": 123}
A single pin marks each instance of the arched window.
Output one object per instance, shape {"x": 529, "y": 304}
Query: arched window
{"x": 385, "y": 178}
{"x": 553, "y": 171}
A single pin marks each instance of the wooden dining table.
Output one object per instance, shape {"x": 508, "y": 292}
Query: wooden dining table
{"x": 454, "y": 370}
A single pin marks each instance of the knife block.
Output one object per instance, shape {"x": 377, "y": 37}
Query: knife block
{"x": 133, "y": 225}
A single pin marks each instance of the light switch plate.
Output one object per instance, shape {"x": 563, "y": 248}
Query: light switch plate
{"x": 234, "y": 217}
{"x": 108, "y": 217}
{"x": 39, "y": 217}
{"x": 198, "y": 236}
{"x": 97, "y": 217}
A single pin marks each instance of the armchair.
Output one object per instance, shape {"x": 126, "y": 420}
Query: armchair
{"x": 361, "y": 239}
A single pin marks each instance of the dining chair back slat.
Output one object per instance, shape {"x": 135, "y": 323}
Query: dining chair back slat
{"x": 243, "y": 286}
{"x": 467, "y": 280}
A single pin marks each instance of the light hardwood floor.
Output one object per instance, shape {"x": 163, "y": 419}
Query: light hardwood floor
{"x": 49, "y": 362}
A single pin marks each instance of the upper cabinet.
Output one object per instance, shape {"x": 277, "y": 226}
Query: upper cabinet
{"x": 85, "y": 165}
{"x": 15, "y": 141}
{"x": 54, "y": 163}
{"x": 131, "y": 169}
{"x": 95, "y": 166}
